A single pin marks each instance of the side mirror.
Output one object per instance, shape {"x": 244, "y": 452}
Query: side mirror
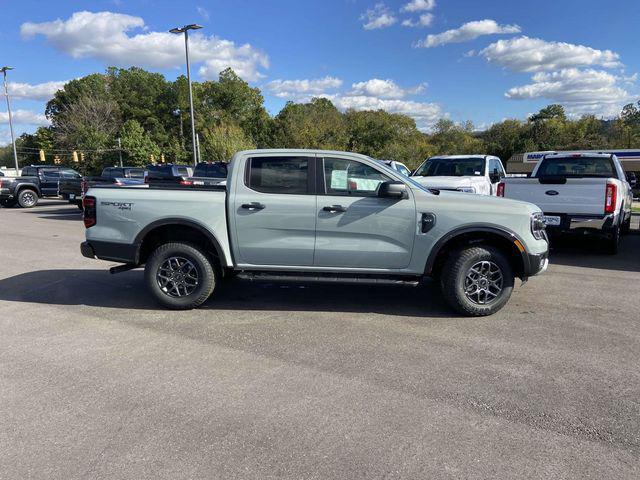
{"x": 495, "y": 176}
{"x": 396, "y": 190}
{"x": 632, "y": 179}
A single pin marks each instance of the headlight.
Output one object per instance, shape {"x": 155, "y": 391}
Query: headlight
{"x": 538, "y": 226}
{"x": 467, "y": 189}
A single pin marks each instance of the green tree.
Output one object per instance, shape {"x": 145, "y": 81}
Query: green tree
{"x": 89, "y": 125}
{"x": 552, "y": 111}
{"x": 505, "y": 138}
{"x": 231, "y": 99}
{"x": 381, "y": 134}
{"x": 317, "y": 124}
{"x": 137, "y": 145}
{"x": 449, "y": 138}
{"x": 220, "y": 142}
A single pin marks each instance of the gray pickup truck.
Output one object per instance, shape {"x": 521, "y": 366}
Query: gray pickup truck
{"x": 316, "y": 216}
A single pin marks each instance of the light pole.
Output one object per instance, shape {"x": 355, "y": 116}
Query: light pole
{"x": 6, "y": 94}
{"x": 185, "y": 30}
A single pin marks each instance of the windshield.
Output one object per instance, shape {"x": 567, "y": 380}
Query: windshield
{"x": 576, "y": 167}
{"x": 405, "y": 179}
{"x": 452, "y": 167}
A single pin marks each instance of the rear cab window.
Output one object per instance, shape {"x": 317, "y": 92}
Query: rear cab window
{"x": 281, "y": 175}
{"x": 576, "y": 167}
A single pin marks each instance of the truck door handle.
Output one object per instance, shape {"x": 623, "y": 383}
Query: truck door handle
{"x": 253, "y": 206}
{"x": 334, "y": 209}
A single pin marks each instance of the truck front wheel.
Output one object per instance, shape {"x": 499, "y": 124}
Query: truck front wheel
{"x": 477, "y": 281}
{"x": 180, "y": 276}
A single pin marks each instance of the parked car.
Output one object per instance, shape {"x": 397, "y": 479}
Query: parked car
{"x": 397, "y": 166}
{"x": 72, "y": 189}
{"x": 463, "y": 173}
{"x": 312, "y": 215}
{"x": 578, "y": 193}
{"x": 35, "y": 182}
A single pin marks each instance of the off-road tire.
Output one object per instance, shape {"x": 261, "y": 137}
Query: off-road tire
{"x": 207, "y": 277}
{"x": 27, "y": 198}
{"x": 626, "y": 226}
{"x": 612, "y": 245}
{"x": 454, "y": 273}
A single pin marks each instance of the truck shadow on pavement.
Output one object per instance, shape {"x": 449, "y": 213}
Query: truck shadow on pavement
{"x": 589, "y": 253}
{"x": 69, "y": 214}
{"x": 97, "y": 288}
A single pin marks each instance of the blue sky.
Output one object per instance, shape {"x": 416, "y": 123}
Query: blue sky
{"x": 461, "y": 59}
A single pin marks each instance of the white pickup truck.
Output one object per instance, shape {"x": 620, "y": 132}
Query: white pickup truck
{"x": 578, "y": 192}
{"x": 462, "y": 173}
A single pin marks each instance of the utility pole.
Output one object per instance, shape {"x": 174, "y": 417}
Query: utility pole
{"x": 185, "y": 30}
{"x": 120, "y": 151}
{"x": 6, "y": 94}
{"x": 198, "y": 145}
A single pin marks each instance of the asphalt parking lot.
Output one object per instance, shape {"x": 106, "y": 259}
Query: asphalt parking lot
{"x": 270, "y": 381}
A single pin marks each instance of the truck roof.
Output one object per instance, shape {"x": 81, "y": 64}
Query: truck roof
{"x": 578, "y": 154}
{"x": 301, "y": 151}
{"x": 459, "y": 157}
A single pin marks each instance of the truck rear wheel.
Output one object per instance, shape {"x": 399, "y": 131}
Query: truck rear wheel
{"x": 477, "y": 281}
{"x": 613, "y": 242}
{"x": 27, "y": 198}
{"x": 180, "y": 276}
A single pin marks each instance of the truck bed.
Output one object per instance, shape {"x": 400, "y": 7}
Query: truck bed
{"x": 123, "y": 212}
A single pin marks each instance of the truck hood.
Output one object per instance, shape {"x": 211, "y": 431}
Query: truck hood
{"x": 448, "y": 183}
{"x": 482, "y": 204}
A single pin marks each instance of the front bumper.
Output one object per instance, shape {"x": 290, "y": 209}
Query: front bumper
{"x": 538, "y": 263}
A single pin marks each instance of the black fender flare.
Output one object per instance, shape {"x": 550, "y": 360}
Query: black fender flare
{"x": 28, "y": 186}
{"x": 183, "y": 223}
{"x": 482, "y": 228}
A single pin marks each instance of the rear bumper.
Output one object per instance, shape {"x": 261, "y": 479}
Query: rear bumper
{"x": 111, "y": 251}
{"x": 582, "y": 223}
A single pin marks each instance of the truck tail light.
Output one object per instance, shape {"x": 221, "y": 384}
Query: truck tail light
{"x": 187, "y": 183}
{"x": 89, "y": 207}
{"x": 610, "y": 198}
{"x": 500, "y": 190}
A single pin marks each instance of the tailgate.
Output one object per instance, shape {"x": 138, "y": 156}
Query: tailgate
{"x": 579, "y": 196}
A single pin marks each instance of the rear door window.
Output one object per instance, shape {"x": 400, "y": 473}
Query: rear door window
{"x": 287, "y": 175}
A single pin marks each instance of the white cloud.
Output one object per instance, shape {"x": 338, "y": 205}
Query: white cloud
{"x": 526, "y": 54}
{"x": 203, "y": 12}
{"x": 423, "y": 20}
{"x": 5, "y": 137}
{"x": 468, "y": 31}
{"x": 383, "y": 89}
{"x": 40, "y": 91}
{"x": 24, "y": 117}
{"x": 303, "y": 89}
{"x": 580, "y": 91}
{"x": 424, "y": 114}
{"x": 372, "y": 94}
{"x": 419, "y": 6}
{"x": 106, "y": 36}
{"x": 378, "y": 17}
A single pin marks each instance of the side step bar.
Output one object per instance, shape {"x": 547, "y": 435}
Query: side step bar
{"x": 314, "y": 277}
